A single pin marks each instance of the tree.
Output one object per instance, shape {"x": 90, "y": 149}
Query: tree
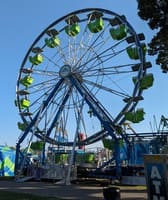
{"x": 155, "y": 12}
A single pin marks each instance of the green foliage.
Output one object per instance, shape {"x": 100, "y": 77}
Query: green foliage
{"x": 155, "y": 13}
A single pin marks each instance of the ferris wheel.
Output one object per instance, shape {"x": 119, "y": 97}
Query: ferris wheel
{"x": 85, "y": 73}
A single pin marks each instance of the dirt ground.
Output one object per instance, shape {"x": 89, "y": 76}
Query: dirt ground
{"x": 78, "y": 191}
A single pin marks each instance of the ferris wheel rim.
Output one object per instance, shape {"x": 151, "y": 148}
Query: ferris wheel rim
{"x": 63, "y": 67}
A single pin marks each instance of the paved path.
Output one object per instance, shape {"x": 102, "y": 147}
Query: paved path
{"x": 71, "y": 192}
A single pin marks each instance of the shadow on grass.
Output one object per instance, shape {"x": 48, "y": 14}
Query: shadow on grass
{"x": 6, "y": 195}
{"x": 134, "y": 198}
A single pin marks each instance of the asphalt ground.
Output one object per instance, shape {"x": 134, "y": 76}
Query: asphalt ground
{"x": 79, "y": 191}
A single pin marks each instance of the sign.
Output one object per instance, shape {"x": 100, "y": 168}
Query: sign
{"x": 156, "y": 170}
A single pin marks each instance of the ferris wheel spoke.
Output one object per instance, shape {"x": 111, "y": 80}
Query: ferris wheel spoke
{"x": 107, "y": 50}
{"x": 62, "y": 54}
{"x": 46, "y": 73}
{"x": 103, "y": 60}
{"x": 83, "y": 46}
{"x": 107, "y": 73}
{"x": 42, "y": 89}
{"x": 89, "y": 48}
{"x": 94, "y": 48}
{"x": 43, "y": 83}
{"x": 51, "y": 60}
{"x": 113, "y": 70}
{"x": 100, "y": 55}
{"x": 44, "y": 97}
{"x": 123, "y": 95}
{"x": 73, "y": 56}
{"x": 102, "y": 74}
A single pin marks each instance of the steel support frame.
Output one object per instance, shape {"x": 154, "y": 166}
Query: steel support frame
{"x": 104, "y": 118}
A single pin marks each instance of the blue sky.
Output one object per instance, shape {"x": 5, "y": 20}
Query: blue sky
{"x": 21, "y": 21}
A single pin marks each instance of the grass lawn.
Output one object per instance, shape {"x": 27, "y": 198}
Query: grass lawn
{"x": 6, "y": 195}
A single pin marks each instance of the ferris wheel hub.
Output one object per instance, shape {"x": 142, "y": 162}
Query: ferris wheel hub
{"x": 65, "y": 71}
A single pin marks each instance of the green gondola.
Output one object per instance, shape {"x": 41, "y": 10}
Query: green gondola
{"x": 146, "y": 82}
{"x": 26, "y": 81}
{"x": 118, "y": 33}
{"x": 52, "y": 42}
{"x": 72, "y": 30}
{"x": 37, "y": 146}
{"x": 37, "y": 59}
{"x": 96, "y": 26}
{"x": 61, "y": 158}
{"x": 133, "y": 51}
{"x": 87, "y": 157}
{"x": 135, "y": 116}
{"x": 24, "y": 103}
{"x": 21, "y": 126}
{"x": 110, "y": 143}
